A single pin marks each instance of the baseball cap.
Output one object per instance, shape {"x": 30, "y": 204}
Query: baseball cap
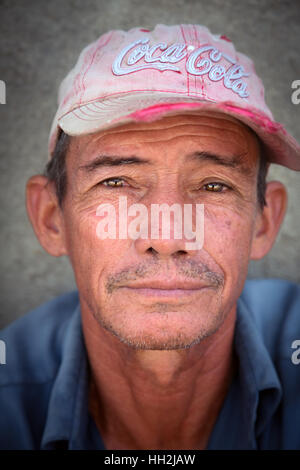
{"x": 143, "y": 75}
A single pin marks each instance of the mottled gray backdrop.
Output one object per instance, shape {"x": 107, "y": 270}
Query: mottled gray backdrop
{"x": 40, "y": 41}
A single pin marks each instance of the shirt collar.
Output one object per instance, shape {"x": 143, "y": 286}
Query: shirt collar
{"x": 253, "y": 397}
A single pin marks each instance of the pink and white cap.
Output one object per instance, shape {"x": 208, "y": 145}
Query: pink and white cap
{"x": 142, "y": 75}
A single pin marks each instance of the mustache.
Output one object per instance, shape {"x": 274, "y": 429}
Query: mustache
{"x": 186, "y": 270}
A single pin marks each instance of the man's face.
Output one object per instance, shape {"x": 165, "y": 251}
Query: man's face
{"x": 155, "y": 294}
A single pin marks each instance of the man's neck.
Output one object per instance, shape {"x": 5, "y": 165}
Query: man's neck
{"x": 143, "y": 399}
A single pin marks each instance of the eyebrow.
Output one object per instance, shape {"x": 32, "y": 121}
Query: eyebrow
{"x": 234, "y": 161}
{"x": 112, "y": 160}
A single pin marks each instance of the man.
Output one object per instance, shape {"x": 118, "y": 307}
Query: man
{"x": 164, "y": 346}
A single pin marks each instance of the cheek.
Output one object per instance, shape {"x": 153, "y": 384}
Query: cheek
{"x": 92, "y": 258}
{"x": 227, "y": 238}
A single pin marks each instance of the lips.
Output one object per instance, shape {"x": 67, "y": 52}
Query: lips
{"x": 159, "y": 284}
{"x": 172, "y": 289}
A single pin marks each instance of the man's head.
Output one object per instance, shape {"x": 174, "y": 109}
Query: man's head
{"x": 186, "y": 159}
{"x": 151, "y": 292}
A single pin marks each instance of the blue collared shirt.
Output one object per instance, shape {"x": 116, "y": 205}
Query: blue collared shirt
{"x": 44, "y": 383}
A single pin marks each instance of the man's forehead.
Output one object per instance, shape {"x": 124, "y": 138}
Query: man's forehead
{"x": 189, "y": 125}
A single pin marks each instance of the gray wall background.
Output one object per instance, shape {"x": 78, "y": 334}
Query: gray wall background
{"x": 40, "y": 41}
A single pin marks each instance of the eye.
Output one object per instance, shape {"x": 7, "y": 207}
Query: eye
{"x": 113, "y": 182}
{"x": 216, "y": 187}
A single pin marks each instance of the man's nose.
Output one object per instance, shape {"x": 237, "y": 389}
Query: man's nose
{"x": 166, "y": 235}
{"x": 160, "y": 247}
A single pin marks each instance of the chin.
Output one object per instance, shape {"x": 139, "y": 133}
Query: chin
{"x": 162, "y": 330}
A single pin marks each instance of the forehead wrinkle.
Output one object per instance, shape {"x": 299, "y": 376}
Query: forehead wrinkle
{"x": 167, "y": 123}
{"x": 173, "y": 120}
{"x": 186, "y": 127}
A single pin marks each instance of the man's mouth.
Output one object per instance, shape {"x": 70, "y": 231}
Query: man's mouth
{"x": 166, "y": 288}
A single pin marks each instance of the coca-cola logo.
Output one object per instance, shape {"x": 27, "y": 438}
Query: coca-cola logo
{"x": 206, "y": 60}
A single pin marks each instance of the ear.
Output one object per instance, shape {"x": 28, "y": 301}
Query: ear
{"x": 268, "y": 221}
{"x": 45, "y": 215}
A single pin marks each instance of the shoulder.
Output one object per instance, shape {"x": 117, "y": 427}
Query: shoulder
{"x": 34, "y": 342}
{"x": 34, "y": 350}
{"x": 275, "y": 307}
